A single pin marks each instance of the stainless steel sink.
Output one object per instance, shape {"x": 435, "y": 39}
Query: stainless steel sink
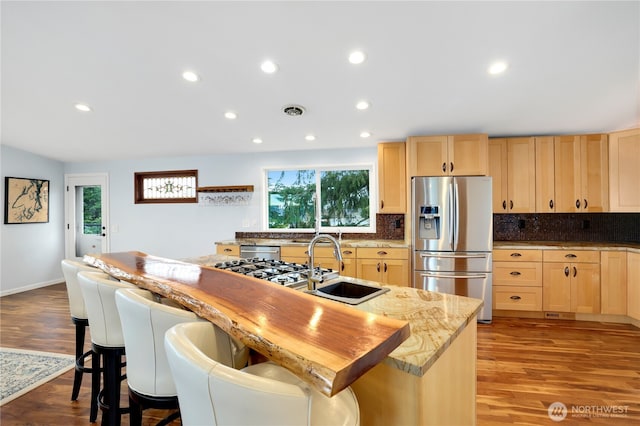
{"x": 349, "y": 292}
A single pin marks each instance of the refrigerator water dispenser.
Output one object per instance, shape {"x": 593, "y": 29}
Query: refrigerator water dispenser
{"x": 429, "y": 227}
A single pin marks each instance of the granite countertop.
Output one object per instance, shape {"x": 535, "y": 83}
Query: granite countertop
{"x": 435, "y": 319}
{"x": 565, "y": 245}
{"x": 303, "y": 242}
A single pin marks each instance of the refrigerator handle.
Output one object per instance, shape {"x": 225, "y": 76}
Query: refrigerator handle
{"x": 457, "y": 213}
{"x": 451, "y": 217}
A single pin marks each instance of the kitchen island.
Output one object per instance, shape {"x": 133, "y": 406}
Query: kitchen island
{"x": 427, "y": 377}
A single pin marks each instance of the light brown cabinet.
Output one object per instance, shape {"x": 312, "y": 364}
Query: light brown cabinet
{"x": 613, "y": 282}
{"x": 455, "y": 155}
{"x": 545, "y": 180}
{"x": 624, "y": 171}
{"x": 517, "y": 280}
{"x": 581, "y": 173}
{"x": 228, "y": 249}
{"x": 633, "y": 285}
{"x": 512, "y": 168}
{"x": 571, "y": 281}
{"x": 323, "y": 256}
{"x": 392, "y": 177}
{"x": 385, "y": 265}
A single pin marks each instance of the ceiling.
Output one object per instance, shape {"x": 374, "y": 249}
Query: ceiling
{"x": 574, "y": 67}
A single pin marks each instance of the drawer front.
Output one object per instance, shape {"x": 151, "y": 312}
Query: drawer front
{"x": 227, "y": 249}
{"x": 503, "y": 255}
{"x": 295, "y": 251}
{"x": 584, "y": 256}
{"x": 382, "y": 253}
{"x": 517, "y": 273}
{"x": 517, "y": 298}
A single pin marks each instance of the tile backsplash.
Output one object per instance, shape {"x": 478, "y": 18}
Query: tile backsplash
{"x": 578, "y": 227}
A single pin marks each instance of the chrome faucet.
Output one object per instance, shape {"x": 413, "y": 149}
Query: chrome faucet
{"x": 316, "y": 276}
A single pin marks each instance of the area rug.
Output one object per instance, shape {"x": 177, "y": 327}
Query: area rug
{"x": 23, "y": 370}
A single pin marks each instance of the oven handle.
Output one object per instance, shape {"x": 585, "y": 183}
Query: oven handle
{"x": 440, "y": 275}
{"x": 454, "y": 256}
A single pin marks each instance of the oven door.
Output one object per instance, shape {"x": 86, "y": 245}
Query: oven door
{"x": 476, "y": 285}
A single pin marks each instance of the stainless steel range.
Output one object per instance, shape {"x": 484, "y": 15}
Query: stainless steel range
{"x": 278, "y": 271}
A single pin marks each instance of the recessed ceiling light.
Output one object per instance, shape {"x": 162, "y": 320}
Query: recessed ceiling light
{"x": 357, "y": 57}
{"x": 256, "y": 140}
{"x": 83, "y": 107}
{"x": 190, "y": 76}
{"x": 363, "y": 105}
{"x": 269, "y": 67}
{"x": 230, "y": 115}
{"x": 365, "y": 134}
{"x": 310, "y": 137}
{"x": 498, "y": 68}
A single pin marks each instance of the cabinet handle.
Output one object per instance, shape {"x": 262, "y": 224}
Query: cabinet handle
{"x": 451, "y": 164}
{"x": 551, "y": 204}
{"x": 515, "y": 273}
{"x": 382, "y": 253}
{"x": 385, "y": 267}
{"x": 342, "y": 266}
{"x": 504, "y": 204}
{"x": 444, "y": 167}
{"x": 575, "y": 271}
{"x": 511, "y": 204}
{"x": 382, "y": 204}
{"x": 515, "y": 255}
{"x": 347, "y": 252}
{"x": 227, "y": 250}
{"x": 378, "y": 267}
{"x": 570, "y": 256}
{"x": 566, "y": 271}
{"x": 306, "y": 252}
{"x": 515, "y": 298}
{"x": 585, "y": 203}
{"x": 577, "y": 203}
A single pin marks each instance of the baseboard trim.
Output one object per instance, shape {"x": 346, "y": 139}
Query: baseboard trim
{"x": 30, "y": 287}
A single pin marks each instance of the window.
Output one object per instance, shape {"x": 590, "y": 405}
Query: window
{"x": 344, "y": 197}
{"x": 178, "y": 186}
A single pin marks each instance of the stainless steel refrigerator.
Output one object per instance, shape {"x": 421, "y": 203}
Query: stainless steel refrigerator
{"x": 453, "y": 237}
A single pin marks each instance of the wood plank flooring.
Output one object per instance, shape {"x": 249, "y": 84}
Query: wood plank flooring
{"x": 524, "y": 366}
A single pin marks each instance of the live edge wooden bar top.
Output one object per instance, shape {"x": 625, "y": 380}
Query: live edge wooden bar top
{"x": 326, "y": 344}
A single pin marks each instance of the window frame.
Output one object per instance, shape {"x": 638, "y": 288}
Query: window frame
{"x": 140, "y": 177}
{"x": 318, "y": 172}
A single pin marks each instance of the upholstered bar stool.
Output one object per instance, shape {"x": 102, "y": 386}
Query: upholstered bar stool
{"x": 70, "y": 269}
{"x": 262, "y": 394}
{"x": 107, "y": 341}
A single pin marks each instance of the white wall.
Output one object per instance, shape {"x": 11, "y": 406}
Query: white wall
{"x": 186, "y": 230}
{"x": 30, "y": 253}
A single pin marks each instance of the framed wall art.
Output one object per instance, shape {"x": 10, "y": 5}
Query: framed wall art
{"x": 26, "y": 200}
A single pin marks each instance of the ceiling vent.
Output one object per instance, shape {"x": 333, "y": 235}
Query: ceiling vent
{"x": 293, "y": 110}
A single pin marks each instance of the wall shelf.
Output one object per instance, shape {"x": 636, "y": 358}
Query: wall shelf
{"x": 234, "y": 195}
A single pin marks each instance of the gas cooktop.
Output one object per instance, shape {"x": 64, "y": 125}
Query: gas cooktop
{"x": 277, "y": 271}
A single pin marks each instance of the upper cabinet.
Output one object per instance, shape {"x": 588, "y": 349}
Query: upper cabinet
{"x": 455, "y": 155}
{"x": 392, "y": 179}
{"x": 545, "y": 180}
{"x": 581, "y": 173}
{"x": 624, "y": 169}
{"x": 512, "y": 168}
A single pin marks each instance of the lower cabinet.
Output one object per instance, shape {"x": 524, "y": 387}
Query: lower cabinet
{"x": 613, "y": 282}
{"x": 517, "y": 280}
{"x": 633, "y": 285}
{"x": 323, "y": 257}
{"x": 571, "y": 281}
{"x": 228, "y": 249}
{"x": 385, "y": 265}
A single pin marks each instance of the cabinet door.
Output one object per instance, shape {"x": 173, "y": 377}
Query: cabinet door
{"x": 594, "y": 173}
{"x": 521, "y": 171}
{"x": 585, "y": 288}
{"x": 567, "y": 174}
{"x": 545, "y": 179}
{"x": 348, "y": 268}
{"x": 498, "y": 173}
{"x": 624, "y": 173}
{"x": 556, "y": 287}
{"x": 369, "y": 269}
{"x": 392, "y": 177}
{"x": 427, "y": 156}
{"x": 468, "y": 155}
{"x": 395, "y": 271}
{"x": 633, "y": 285}
{"x": 613, "y": 282}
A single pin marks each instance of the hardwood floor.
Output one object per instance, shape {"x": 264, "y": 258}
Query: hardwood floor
{"x": 523, "y": 366}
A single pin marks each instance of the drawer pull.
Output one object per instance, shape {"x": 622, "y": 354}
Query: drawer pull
{"x": 515, "y": 273}
{"x": 515, "y": 298}
{"x": 347, "y": 252}
{"x": 570, "y": 256}
{"x": 227, "y": 250}
{"x": 382, "y": 253}
{"x": 515, "y": 255}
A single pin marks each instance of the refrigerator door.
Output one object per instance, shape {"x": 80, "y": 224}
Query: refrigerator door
{"x": 433, "y": 213}
{"x": 474, "y": 215}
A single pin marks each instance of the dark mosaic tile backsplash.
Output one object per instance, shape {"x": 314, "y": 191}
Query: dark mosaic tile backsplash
{"x": 578, "y": 227}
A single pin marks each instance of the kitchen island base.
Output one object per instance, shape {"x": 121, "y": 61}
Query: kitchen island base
{"x": 444, "y": 395}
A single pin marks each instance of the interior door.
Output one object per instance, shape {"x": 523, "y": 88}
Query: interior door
{"x": 86, "y": 214}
